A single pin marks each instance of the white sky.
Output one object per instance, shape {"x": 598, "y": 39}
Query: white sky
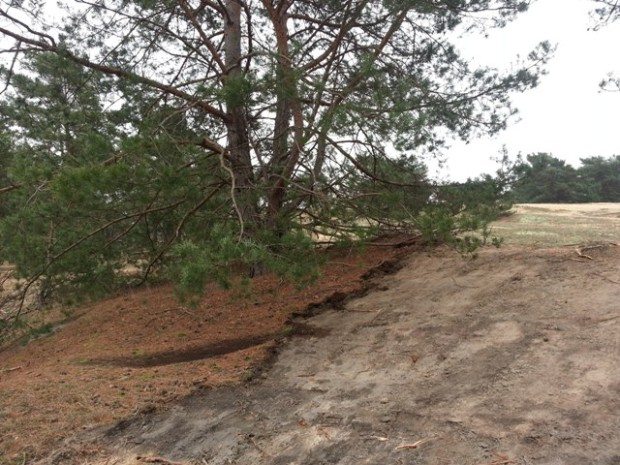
{"x": 566, "y": 115}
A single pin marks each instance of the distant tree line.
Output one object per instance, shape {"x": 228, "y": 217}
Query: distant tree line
{"x": 542, "y": 178}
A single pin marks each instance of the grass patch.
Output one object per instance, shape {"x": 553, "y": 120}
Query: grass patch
{"x": 560, "y": 225}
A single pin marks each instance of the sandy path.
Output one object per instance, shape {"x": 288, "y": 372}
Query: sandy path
{"x": 510, "y": 358}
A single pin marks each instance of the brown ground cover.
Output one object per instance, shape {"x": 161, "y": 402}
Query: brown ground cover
{"x": 142, "y": 350}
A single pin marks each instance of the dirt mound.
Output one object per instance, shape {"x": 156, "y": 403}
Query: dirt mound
{"x": 511, "y": 358}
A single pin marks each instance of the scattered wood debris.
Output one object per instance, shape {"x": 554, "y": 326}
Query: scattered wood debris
{"x": 581, "y": 249}
{"x": 501, "y": 460}
{"x": 8, "y": 370}
{"x": 415, "y": 445}
{"x": 156, "y": 459}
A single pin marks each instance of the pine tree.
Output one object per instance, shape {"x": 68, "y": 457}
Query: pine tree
{"x": 602, "y": 178}
{"x": 212, "y": 131}
{"x": 546, "y": 179}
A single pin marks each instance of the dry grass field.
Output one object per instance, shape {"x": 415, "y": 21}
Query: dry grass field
{"x": 545, "y": 225}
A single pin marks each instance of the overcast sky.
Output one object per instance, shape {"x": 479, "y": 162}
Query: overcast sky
{"x": 566, "y": 115}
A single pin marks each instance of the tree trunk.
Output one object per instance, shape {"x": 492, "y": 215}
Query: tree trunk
{"x": 285, "y": 156}
{"x": 238, "y": 147}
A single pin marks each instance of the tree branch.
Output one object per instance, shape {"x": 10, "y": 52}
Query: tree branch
{"x": 121, "y": 73}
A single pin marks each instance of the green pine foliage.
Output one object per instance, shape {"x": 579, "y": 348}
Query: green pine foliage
{"x": 94, "y": 196}
{"x": 387, "y": 190}
{"x": 202, "y": 141}
{"x": 460, "y": 214}
{"x": 110, "y": 197}
{"x": 103, "y": 191}
{"x": 227, "y": 261}
{"x": 601, "y": 178}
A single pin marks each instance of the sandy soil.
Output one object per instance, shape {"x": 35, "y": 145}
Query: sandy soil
{"x": 511, "y": 358}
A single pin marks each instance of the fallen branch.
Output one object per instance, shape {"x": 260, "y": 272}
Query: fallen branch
{"x": 581, "y": 254}
{"x": 503, "y": 460}
{"x": 463, "y": 286}
{"x": 8, "y": 370}
{"x": 606, "y": 278}
{"x": 396, "y": 245}
{"x": 414, "y": 445}
{"x": 605, "y": 320}
{"x": 157, "y": 460}
{"x": 580, "y": 250}
{"x": 577, "y": 244}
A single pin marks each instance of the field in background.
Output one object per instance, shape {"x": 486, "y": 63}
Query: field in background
{"x": 543, "y": 225}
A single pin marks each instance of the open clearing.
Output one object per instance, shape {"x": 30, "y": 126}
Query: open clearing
{"x": 509, "y": 358}
{"x": 555, "y": 225}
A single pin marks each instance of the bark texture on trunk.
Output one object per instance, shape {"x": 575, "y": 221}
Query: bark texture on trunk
{"x": 238, "y": 146}
{"x": 286, "y": 149}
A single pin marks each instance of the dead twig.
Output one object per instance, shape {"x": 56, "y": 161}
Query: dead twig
{"x": 156, "y": 459}
{"x": 8, "y": 370}
{"x": 415, "y": 445}
{"x": 606, "y": 278}
{"x": 463, "y": 286}
{"x": 581, "y": 254}
{"x": 604, "y": 320}
{"x": 502, "y": 460}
